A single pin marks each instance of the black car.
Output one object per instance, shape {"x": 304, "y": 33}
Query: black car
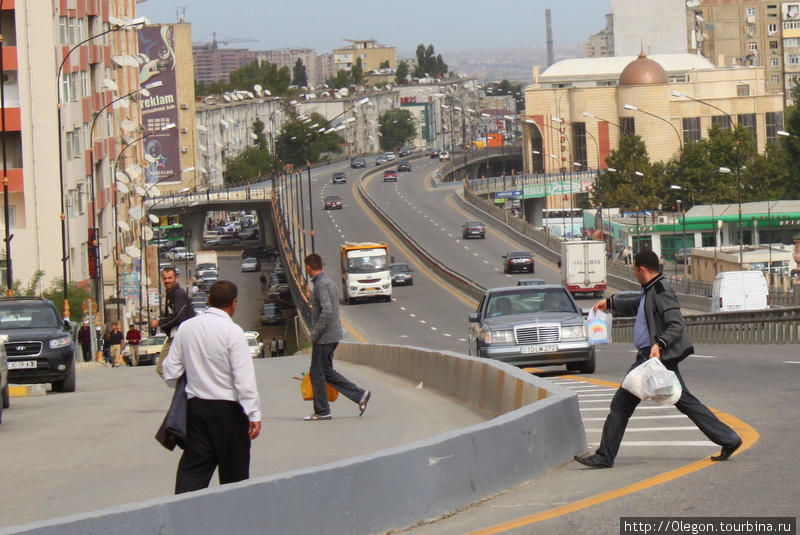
{"x": 262, "y": 252}
{"x": 39, "y": 344}
{"x": 339, "y": 177}
{"x": 333, "y": 202}
{"x": 473, "y": 229}
{"x": 404, "y": 151}
{"x": 404, "y": 166}
{"x": 355, "y": 163}
{"x": 518, "y": 261}
{"x": 271, "y": 314}
{"x": 401, "y": 274}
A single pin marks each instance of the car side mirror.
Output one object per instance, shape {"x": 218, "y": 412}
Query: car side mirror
{"x": 67, "y": 325}
{"x": 473, "y": 317}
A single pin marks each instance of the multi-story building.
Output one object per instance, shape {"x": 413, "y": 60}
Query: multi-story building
{"x": 601, "y": 44}
{"x": 372, "y": 55}
{"x": 212, "y": 63}
{"x": 324, "y": 68}
{"x": 287, "y": 57}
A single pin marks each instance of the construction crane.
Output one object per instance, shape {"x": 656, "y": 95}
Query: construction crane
{"x": 224, "y": 41}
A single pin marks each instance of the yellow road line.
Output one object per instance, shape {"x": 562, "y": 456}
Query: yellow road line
{"x": 749, "y": 437}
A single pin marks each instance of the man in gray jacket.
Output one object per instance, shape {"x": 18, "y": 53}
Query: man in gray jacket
{"x": 657, "y": 333}
{"x": 326, "y": 332}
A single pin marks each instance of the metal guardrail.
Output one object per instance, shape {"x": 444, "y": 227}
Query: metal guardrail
{"x": 774, "y": 326}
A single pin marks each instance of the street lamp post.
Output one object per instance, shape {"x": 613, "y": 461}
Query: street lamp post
{"x": 131, "y": 24}
{"x": 638, "y": 229}
{"x": 682, "y": 200}
{"x": 678, "y": 94}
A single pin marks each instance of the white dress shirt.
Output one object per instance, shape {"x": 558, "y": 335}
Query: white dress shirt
{"x": 213, "y": 352}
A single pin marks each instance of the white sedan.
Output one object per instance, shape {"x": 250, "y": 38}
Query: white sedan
{"x": 180, "y": 253}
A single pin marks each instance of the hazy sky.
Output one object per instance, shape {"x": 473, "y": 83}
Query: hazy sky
{"x": 404, "y": 24}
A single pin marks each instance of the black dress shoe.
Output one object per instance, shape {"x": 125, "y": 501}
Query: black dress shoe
{"x": 727, "y": 451}
{"x": 592, "y": 461}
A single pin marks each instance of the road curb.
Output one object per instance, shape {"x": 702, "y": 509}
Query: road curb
{"x": 24, "y": 391}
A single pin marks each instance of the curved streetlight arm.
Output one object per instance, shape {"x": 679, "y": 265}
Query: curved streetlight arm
{"x": 634, "y": 108}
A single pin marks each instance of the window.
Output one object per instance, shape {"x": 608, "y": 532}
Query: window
{"x": 71, "y": 194}
{"x": 579, "y": 144}
{"x": 791, "y": 24}
{"x": 62, "y": 30}
{"x": 64, "y": 87}
{"x": 772, "y": 29}
{"x": 774, "y": 122}
{"x": 12, "y": 218}
{"x": 748, "y": 120}
{"x": 751, "y": 12}
{"x": 81, "y": 198}
{"x": 791, "y": 41}
{"x": 76, "y": 143}
{"x": 742, "y": 90}
{"x": 691, "y": 129}
{"x": 723, "y": 121}
{"x": 775, "y": 79}
{"x": 73, "y": 86}
{"x": 752, "y": 45}
{"x": 793, "y": 59}
{"x": 751, "y": 30}
{"x": 774, "y": 62}
{"x": 629, "y": 126}
{"x": 773, "y": 46}
{"x": 72, "y": 25}
{"x": 68, "y": 145}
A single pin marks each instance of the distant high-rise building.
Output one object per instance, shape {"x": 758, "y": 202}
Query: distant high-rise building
{"x": 655, "y": 26}
{"x": 601, "y": 44}
{"x": 372, "y": 55}
{"x": 287, "y": 57}
{"x": 212, "y": 64}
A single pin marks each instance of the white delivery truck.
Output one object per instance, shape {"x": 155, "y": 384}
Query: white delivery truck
{"x": 583, "y": 267}
{"x": 365, "y": 271}
{"x": 205, "y": 261}
{"x": 739, "y": 290}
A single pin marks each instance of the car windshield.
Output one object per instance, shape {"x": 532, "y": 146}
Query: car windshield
{"x": 529, "y": 301}
{"x": 399, "y": 268}
{"x": 366, "y": 264}
{"x": 333, "y": 198}
{"x": 28, "y": 318}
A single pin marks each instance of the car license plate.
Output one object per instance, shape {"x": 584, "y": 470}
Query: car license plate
{"x": 542, "y": 348}
{"x": 22, "y": 365}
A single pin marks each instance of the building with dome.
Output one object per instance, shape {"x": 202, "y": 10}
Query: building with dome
{"x": 577, "y": 109}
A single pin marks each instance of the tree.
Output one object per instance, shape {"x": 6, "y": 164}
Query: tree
{"x": 428, "y": 64}
{"x": 401, "y": 73}
{"x": 341, "y": 79}
{"x": 384, "y": 64}
{"x": 300, "y": 141}
{"x": 299, "y": 74}
{"x": 77, "y": 295}
{"x": 249, "y": 164}
{"x": 267, "y": 75}
{"x": 397, "y": 127}
{"x": 357, "y": 72}
{"x": 17, "y": 288}
{"x": 505, "y": 87}
{"x": 624, "y": 187}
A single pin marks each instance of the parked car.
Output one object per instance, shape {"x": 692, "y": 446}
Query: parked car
{"x": 401, "y": 274}
{"x": 280, "y": 296}
{"x": 271, "y": 314}
{"x": 180, "y": 253}
{"x": 355, "y": 163}
{"x": 251, "y": 264}
{"x": 262, "y": 252}
{"x": 531, "y": 326}
{"x": 473, "y": 229}
{"x": 39, "y": 346}
{"x": 381, "y": 160}
{"x": 404, "y": 151}
{"x": 404, "y": 167}
{"x": 682, "y": 254}
{"x": 339, "y": 177}
{"x": 739, "y": 290}
{"x": 390, "y": 175}
{"x": 530, "y": 282}
{"x": 444, "y": 156}
{"x": 254, "y": 344}
{"x": 162, "y": 244}
{"x": 518, "y": 261}
{"x": 249, "y": 234}
{"x": 163, "y": 265}
{"x": 333, "y": 202}
{"x": 149, "y": 349}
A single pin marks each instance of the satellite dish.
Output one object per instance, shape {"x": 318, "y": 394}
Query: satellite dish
{"x": 201, "y": 147}
{"x": 202, "y": 128}
{"x": 153, "y": 191}
{"x": 135, "y": 212}
{"x": 125, "y": 259}
{"x": 266, "y": 92}
{"x": 133, "y": 171}
{"x": 133, "y": 251}
{"x": 226, "y": 97}
{"x": 258, "y": 88}
{"x": 121, "y": 103}
{"x": 149, "y": 158}
{"x": 123, "y": 177}
{"x": 147, "y": 232}
{"x": 144, "y": 91}
{"x": 153, "y": 219}
{"x": 122, "y": 188}
{"x": 123, "y": 225}
{"x": 110, "y": 84}
{"x": 128, "y": 125}
{"x": 140, "y": 191}
{"x": 203, "y": 170}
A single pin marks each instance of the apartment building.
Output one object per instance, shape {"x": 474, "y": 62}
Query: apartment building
{"x": 212, "y": 63}
{"x": 372, "y": 55}
{"x": 287, "y": 57}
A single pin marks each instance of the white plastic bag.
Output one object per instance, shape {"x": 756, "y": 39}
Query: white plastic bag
{"x": 649, "y": 380}
{"x": 599, "y": 326}
{"x": 674, "y": 395}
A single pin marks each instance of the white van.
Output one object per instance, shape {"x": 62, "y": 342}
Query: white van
{"x": 739, "y": 290}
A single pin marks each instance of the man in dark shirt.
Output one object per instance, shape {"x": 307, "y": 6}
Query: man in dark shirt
{"x": 115, "y": 341}
{"x": 177, "y": 309}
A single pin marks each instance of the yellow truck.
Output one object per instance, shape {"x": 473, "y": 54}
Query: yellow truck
{"x": 365, "y": 271}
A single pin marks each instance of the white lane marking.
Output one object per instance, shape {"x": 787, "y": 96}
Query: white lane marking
{"x": 703, "y": 356}
{"x": 661, "y": 443}
{"x": 649, "y": 429}
{"x": 662, "y": 417}
{"x": 791, "y": 362}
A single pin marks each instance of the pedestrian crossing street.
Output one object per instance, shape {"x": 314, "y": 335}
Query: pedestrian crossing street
{"x": 651, "y": 426}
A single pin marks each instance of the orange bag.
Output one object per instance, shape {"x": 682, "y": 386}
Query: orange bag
{"x": 308, "y": 391}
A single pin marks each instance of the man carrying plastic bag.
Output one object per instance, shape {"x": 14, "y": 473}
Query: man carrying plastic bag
{"x": 658, "y": 333}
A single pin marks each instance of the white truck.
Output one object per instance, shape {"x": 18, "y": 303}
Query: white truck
{"x": 365, "y": 271}
{"x": 583, "y": 267}
{"x": 205, "y": 261}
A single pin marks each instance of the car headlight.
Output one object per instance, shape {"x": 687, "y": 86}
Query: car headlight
{"x": 573, "y": 332}
{"x": 63, "y": 341}
{"x": 498, "y": 337}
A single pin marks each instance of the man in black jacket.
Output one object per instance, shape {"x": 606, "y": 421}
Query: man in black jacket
{"x": 658, "y": 333}
{"x": 177, "y": 309}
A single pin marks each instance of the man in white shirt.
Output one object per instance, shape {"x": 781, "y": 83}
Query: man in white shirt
{"x": 223, "y": 409}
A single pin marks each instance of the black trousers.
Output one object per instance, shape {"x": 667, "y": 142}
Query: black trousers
{"x": 624, "y": 403}
{"x": 217, "y": 435}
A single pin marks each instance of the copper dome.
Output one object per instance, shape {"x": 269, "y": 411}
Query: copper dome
{"x": 643, "y": 71}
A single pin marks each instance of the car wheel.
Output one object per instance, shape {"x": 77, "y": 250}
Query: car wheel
{"x": 388, "y": 298}
{"x": 6, "y": 398}
{"x": 411, "y": 283}
{"x": 532, "y": 268}
{"x": 67, "y": 384}
{"x": 589, "y": 365}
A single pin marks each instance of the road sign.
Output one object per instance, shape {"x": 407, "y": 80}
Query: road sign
{"x": 504, "y": 194}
